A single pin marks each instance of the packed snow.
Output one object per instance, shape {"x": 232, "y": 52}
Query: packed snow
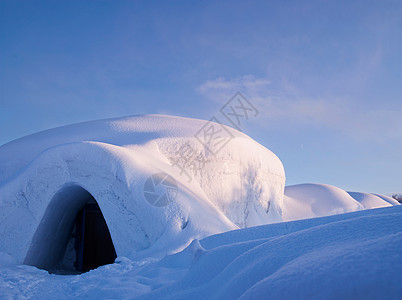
{"x": 239, "y": 184}
{"x": 218, "y": 232}
{"x": 348, "y": 256}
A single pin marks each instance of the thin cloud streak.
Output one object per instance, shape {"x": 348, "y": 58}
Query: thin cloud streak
{"x": 280, "y": 104}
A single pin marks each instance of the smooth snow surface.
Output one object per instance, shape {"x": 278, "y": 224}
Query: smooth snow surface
{"x": 311, "y": 200}
{"x": 348, "y": 256}
{"x": 45, "y": 179}
{"x": 371, "y": 200}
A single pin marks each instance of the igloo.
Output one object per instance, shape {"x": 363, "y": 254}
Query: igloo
{"x": 133, "y": 186}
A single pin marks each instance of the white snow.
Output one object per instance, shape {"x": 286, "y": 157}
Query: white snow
{"x": 204, "y": 242}
{"x": 348, "y": 256}
{"x": 388, "y": 199}
{"x": 44, "y": 178}
{"x": 371, "y": 200}
{"x": 311, "y": 200}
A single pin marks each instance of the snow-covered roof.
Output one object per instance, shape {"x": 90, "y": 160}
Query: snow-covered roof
{"x": 213, "y": 183}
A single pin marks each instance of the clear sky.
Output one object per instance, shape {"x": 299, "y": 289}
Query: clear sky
{"x": 325, "y": 76}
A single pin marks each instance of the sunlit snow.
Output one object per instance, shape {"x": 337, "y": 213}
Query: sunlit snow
{"x": 188, "y": 218}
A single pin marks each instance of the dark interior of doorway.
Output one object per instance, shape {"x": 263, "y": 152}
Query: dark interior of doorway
{"x": 72, "y": 236}
{"x": 93, "y": 243}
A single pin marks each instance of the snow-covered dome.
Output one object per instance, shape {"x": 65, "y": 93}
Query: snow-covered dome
{"x": 159, "y": 181}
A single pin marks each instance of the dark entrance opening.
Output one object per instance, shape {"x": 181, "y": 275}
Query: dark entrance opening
{"x": 72, "y": 236}
{"x": 93, "y": 244}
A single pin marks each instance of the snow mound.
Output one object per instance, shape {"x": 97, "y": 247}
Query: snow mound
{"x": 316, "y": 200}
{"x": 213, "y": 184}
{"x": 371, "y": 200}
{"x": 388, "y": 199}
{"x": 347, "y": 256}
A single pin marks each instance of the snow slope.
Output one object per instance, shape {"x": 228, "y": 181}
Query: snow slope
{"x": 311, "y": 200}
{"x": 372, "y": 200}
{"x": 225, "y": 183}
{"x": 348, "y": 256}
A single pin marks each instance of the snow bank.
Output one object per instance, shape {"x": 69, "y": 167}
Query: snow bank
{"x": 45, "y": 178}
{"x": 347, "y": 256}
{"x": 312, "y": 200}
{"x": 371, "y": 200}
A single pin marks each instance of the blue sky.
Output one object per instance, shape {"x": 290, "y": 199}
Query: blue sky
{"x": 324, "y": 75}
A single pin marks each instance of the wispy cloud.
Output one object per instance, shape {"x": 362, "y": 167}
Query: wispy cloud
{"x": 222, "y": 88}
{"x": 284, "y": 103}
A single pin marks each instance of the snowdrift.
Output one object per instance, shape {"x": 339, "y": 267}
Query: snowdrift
{"x": 159, "y": 181}
{"x": 349, "y": 256}
{"x": 312, "y": 200}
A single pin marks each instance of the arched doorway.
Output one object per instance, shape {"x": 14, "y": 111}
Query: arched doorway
{"x": 93, "y": 244}
{"x": 72, "y": 236}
